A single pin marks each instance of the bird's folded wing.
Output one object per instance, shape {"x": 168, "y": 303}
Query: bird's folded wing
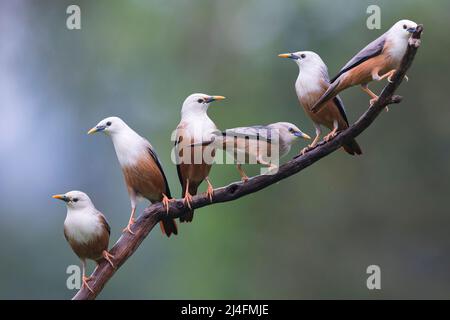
{"x": 371, "y": 50}
{"x": 340, "y": 105}
{"x": 104, "y": 222}
{"x": 253, "y": 133}
{"x": 155, "y": 158}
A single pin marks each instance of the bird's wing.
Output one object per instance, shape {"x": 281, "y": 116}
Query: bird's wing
{"x": 158, "y": 163}
{"x": 180, "y": 129}
{"x": 104, "y": 222}
{"x": 340, "y": 104}
{"x": 371, "y": 50}
{"x": 253, "y": 132}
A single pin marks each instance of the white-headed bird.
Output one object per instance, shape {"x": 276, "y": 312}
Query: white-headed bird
{"x": 86, "y": 230}
{"x": 142, "y": 170}
{"x": 312, "y": 82}
{"x": 377, "y": 61}
{"x": 192, "y": 167}
{"x": 255, "y": 144}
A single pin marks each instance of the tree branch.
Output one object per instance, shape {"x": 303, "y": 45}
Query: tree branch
{"x": 127, "y": 243}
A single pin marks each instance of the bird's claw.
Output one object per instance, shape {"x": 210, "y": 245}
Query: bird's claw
{"x": 128, "y": 227}
{"x": 108, "y": 256}
{"x": 85, "y": 284}
{"x": 187, "y": 200}
{"x": 372, "y": 101}
{"x": 210, "y": 192}
{"x": 244, "y": 178}
{"x": 166, "y": 201}
{"x": 329, "y": 136}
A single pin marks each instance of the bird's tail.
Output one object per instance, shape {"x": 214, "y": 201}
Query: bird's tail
{"x": 352, "y": 147}
{"x": 331, "y": 92}
{"x": 189, "y": 215}
{"x": 168, "y": 226}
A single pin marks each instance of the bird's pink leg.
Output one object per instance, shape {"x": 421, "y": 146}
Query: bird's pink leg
{"x": 388, "y": 75}
{"x": 314, "y": 142}
{"x": 366, "y": 89}
{"x": 244, "y": 176}
{"x": 130, "y": 222}
{"x": 165, "y": 200}
{"x": 209, "y": 190}
{"x": 84, "y": 278}
{"x": 187, "y": 196}
{"x": 332, "y": 134}
{"x": 108, "y": 256}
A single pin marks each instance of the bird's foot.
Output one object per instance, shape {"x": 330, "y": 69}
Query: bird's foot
{"x": 108, "y": 256}
{"x": 372, "y": 101}
{"x": 128, "y": 227}
{"x": 187, "y": 200}
{"x": 85, "y": 283}
{"x": 330, "y": 136}
{"x": 244, "y": 178}
{"x": 210, "y": 191}
{"x": 166, "y": 201}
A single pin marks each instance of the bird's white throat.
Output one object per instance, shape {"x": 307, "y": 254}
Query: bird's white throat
{"x": 82, "y": 225}
{"x": 129, "y": 146}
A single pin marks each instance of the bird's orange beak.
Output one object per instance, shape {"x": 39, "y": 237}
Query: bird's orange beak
{"x": 60, "y": 197}
{"x": 284, "y": 55}
{"x": 214, "y": 98}
{"x": 93, "y": 130}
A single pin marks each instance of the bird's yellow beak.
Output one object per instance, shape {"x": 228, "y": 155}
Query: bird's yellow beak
{"x": 284, "y": 55}
{"x": 214, "y": 98}
{"x": 305, "y": 136}
{"x": 93, "y": 130}
{"x": 61, "y": 197}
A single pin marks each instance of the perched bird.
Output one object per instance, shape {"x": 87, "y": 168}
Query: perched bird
{"x": 86, "y": 230}
{"x": 377, "y": 61}
{"x": 192, "y": 166}
{"x": 254, "y": 144}
{"x": 312, "y": 82}
{"x": 141, "y": 168}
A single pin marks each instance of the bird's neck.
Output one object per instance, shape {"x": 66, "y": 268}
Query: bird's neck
{"x": 198, "y": 114}
{"x": 129, "y": 147}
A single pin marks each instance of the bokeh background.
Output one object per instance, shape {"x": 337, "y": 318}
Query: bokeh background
{"x": 310, "y": 236}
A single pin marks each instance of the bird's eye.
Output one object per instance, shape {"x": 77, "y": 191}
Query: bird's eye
{"x": 75, "y": 199}
{"x": 291, "y": 130}
{"x": 303, "y": 56}
{"x": 108, "y": 123}
{"x": 405, "y": 26}
{"x": 200, "y": 100}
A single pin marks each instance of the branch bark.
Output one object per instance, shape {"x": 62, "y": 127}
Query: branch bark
{"x": 128, "y": 244}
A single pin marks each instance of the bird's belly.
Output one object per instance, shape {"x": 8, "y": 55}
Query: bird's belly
{"x": 145, "y": 180}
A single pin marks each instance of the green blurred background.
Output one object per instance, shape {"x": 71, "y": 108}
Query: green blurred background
{"x": 310, "y": 236}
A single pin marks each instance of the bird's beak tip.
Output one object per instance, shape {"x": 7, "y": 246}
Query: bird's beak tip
{"x": 218, "y": 98}
{"x": 307, "y": 137}
{"x": 57, "y": 196}
{"x": 92, "y": 131}
{"x": 284, "y": 55}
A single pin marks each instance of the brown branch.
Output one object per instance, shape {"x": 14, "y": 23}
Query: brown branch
{"x": 127, "y": 244}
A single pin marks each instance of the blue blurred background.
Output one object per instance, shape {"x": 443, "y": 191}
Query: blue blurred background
{"x": 310, "y": 236}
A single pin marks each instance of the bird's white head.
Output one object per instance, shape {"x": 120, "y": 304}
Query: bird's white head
{"x": 288, "y": 132}
{"x": 110, "y": 125}
{"x": 198, "y": 103}
{"x": 305, "y": 59}
{"x": 403, "y": 29}
{"x": 75, "y": 200}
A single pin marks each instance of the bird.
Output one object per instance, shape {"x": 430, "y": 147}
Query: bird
{"x": 142, "y": 170}
{"x": 192, "y": 165}
{"x": 86, "y": 230}
{"x": 377, "y": 61}
{"x": 254, "y": 144}
{"x": 311, "y": 83}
